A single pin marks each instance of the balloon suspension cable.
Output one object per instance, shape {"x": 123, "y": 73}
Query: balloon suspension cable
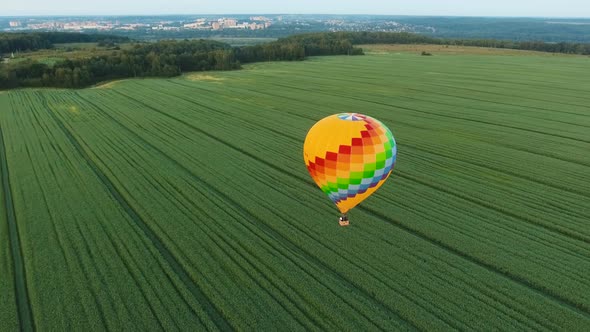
{"x": 343, "y": 220}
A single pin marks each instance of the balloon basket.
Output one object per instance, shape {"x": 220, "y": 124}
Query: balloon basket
{"x": 343, "y": 220}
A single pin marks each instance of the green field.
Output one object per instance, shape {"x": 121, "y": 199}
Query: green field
{"x": 244, "y": 41}
{"x": 67, "y": 51}
{"x": 185, "y": 204}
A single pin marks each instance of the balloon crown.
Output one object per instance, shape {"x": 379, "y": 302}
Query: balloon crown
{"x": 351, "y": 116}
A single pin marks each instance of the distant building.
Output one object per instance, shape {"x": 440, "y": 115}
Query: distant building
{"x": 215, "y": 25}
{"x": 256, "y": 26}
{"x": 14, "y": 24}
{"x": 259, "y": 18}
{"x": 230, "y": 23}
{"x": 195, "y": 25}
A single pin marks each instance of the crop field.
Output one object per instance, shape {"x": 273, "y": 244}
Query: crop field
{"x": 455, "y": 50}
{"x": 185, "y": 204}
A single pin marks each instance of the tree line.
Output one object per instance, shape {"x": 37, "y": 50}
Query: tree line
{"x": 164, "y": 59}
{"x": 170, "y": 57}
{"x": 161, "y": 59}
{"x": 357, "y": 38}
{"x": 21, "y": 42}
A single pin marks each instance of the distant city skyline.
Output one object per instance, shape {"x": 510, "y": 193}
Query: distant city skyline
{"x": 509, "y": 8}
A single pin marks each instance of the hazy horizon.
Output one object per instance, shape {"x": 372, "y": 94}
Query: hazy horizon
{"x": 459, "y": 8}
{"x": 311, "y": 14}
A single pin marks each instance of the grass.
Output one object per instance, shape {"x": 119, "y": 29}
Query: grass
{"x": 66, "y": 51}
{"x": 454, "y": 50}
{"x": 184, "y": 203}
{"x": 243, "y": 41}
{"x": 8, "y": 307}
{"x": 75, "y": 45}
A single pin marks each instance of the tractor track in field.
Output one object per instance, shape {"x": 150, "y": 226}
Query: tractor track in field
{"x": 212, "y": 311}
{"x": 494, "y": 93}
{"x": 224, "y": 142}
{"x": 23, "y": 304}
{"x": 579, "y": 308}
{"x": 211, "y": 234}
{"x": 448, "y": 116}
{"x": 548, "y": 155}
{"x": 266, "y": 228}
{"x": 454, "y": 79}
{"x": 294, "y": 138}
{"x": 461, "y": 97}
{"x": 515, "y": 278}
{"x": 500, "y": 94}
{"x": 491, "y": 206}
{"x": 278, "y": 132}
{"x": 548, "y": 227}
{"x": 533, "y": 115}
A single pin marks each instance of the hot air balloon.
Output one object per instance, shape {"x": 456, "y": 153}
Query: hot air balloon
{"x": 349, "y": 156}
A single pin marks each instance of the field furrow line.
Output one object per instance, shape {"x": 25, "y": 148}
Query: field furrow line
{"x": 464, "y": 172}
{"x": 575, "y": 306}
{"x": 213, "y": 312}
{"x": 25, "y": 312}
{"x": 344, "y": 257}
{"x": 225, "y": 238}
{"x": 370, "y": 82}
{"x": 353, "y": 258}
{"x": 565, "y": 301}
{"x": 503, "y": 95}
{"x": 249, "y": 216}
{"x": 475, "y": 287}
{"x": 445, "y": 115}
{"x": 218, "y": 139}
{"x": 23, "y": 122}
{"x": 168, "y": 193}
{"x": 540, "y": 259}
{"x": 549, "y": 227}
{"x": 351, "y": 96}
{"x": 254, "y": 123}
{"x": 164, "y": 265}
{"x": 293, "y": 248}
{"x": 111, "y": 240}
{"x": 578, "y": 307}
{"x": 549, "y": 155}
{"x": 533, "y": 114}
{"x": 189, "y": 216}
{"x": 565, "y": 248}
{"x": 493, "y": 102}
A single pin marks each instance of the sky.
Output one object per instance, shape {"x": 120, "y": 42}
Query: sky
{"x": 532, "y": 8}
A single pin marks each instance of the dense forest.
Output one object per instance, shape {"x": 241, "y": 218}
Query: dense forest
{"x": 506, "y": 28}
{"x": 357, "y": 38}
{"x": 170, "y": 57}
{"x": 164, "y": 59}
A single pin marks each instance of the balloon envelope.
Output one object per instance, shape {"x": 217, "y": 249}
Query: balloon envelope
{"x": 349, "y": 156}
